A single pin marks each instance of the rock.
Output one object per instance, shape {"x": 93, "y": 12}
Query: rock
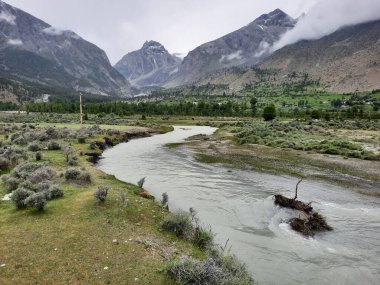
{"x": 115, "y": 241}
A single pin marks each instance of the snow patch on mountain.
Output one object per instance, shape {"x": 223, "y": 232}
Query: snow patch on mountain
{"x": 15, "y": 42}
{"x": 52, "y": 31}
{"x": 5, "y": 16}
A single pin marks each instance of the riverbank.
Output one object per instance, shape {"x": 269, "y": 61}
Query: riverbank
{"x": 361, "y": 175}
{"x": 78, "y": 240}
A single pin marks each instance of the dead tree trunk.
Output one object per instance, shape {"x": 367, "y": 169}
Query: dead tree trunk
{"x": 298, "y": 183}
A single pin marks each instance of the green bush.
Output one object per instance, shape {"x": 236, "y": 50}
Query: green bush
{"x": 37, "y": 201}
{"x": 72, "y": 174}
{"x": 4, "y": 164}
{"x": 34, "y": 147}
{"x": 55, "y": 192}
{"x": 178, "y": 223}
{"x": 101, "y": 193}
{"x": 203, "y": 238}
{"x": 19, "y": 197}
{"x": 81, "y": 140}
{"x": 10, "y": 183}
{"x": 38, "y": 156}
{"x": 269, "y": 112}
{"x": 53, "y": 146}
{"x": 215, "y": 269}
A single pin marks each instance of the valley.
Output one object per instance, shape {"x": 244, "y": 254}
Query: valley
{"x": 193, "y": 143}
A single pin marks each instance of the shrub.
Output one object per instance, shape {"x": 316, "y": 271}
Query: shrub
{"x": 122, "y": 199}
{"x": 54, "y": 146}
{"x": 72, "y": 174}
{"x": 41, "y": 174}
{"x": 141, "y": 182}
{"x": 19, "y": 197}
{"x": 38, "y": 156}
{"x": 86, "y": 177}
{"x": 19, "y": 140}
{"x": 37, "y": 201}
{"x": 203, "y": 238}
{"x": 11, "y": 183}
{"x": 26, "y": 169}
{"x": 73, "y": 161}
{"x": 101, "y": 193}
{"x": 215, "y": 269}
{"x": 4, "y": 163}
{"x": 55, "y": 192}
{"x": 41, "y": 187}
{"x": 165, "y": 200}
{"x": 34, "y": 147}
{"x": 178, "y": 223}
{"x": 269, "y": 112}
{"x": 81, "y": 140}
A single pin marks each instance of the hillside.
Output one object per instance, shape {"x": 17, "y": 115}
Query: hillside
{"x": 344, "y": 61}
{"x": 245, "y": 46}
{"x": 32, "y": 51}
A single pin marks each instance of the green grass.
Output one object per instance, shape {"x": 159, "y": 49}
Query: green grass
{"x": 72, "y": 240}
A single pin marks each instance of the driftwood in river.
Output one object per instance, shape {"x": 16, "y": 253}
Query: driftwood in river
{"x": 310, "y": 222}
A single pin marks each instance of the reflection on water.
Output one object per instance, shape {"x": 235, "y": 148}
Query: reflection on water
{"x": 239, "y": 207}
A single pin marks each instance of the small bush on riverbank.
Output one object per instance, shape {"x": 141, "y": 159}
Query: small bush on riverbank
{"x": 141, "y": 182}
{"x": 178, "y": 223}
{"x": 215, "y": 269}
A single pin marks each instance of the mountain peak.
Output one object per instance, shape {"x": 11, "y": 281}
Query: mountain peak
{"x": 154, "y": 44}
{"x": 275, "y": 18}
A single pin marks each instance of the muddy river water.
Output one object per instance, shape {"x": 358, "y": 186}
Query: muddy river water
{"x": 238, "y": 206}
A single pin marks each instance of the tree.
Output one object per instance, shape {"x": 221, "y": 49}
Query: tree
{"x": 315, "y": 114}
{"x": 253, "y": 102}
{"x": 269, "y": 112}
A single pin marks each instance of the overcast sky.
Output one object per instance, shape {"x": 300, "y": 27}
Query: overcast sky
{"x": 121, "y": 26}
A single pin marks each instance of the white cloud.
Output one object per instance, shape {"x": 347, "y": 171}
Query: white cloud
{"x": 262, "y": 49}
{"x": 7, "y": 17}
{"x": 327, "y": 16}
{"x": 232, "y": 56}
{"x": 15, "y": 42}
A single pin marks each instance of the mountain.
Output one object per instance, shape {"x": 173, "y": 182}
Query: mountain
{"x": 345, "y": 61}
{"x": 245, "y": 46}
{"x": 32, "y": 51}
{"x": 151, "y": 65}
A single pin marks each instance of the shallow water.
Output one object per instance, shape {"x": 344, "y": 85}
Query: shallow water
{"x": 238, "y": 205}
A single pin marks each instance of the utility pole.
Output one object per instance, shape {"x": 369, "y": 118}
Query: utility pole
{"x": 81, "y": 108}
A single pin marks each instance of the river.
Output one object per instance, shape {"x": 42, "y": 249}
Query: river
{"x": 238, "y": 206}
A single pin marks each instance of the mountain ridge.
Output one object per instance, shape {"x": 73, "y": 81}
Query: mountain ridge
{"x": 34, "y": 51}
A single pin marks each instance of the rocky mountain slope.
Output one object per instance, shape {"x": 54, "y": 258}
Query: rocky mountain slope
{"x": 245, "y": 46}
{"x": 345, "y": 61}
{"x": 151, "y": 65}
{"x": 33, "y": 51}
